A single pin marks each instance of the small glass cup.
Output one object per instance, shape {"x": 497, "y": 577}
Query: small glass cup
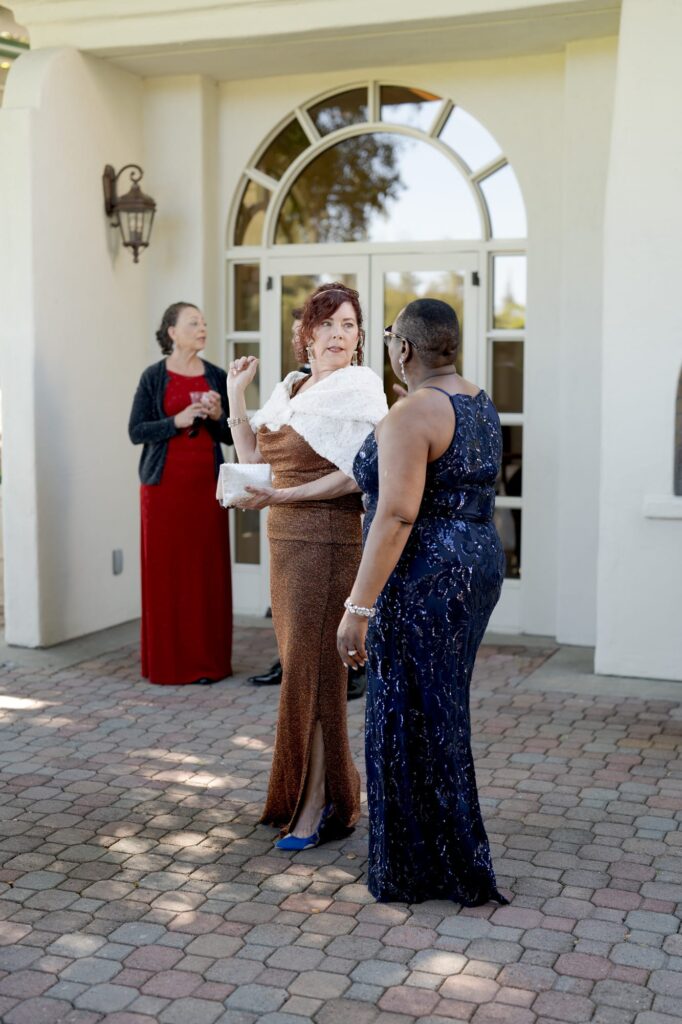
{"x": 198, "y": 398}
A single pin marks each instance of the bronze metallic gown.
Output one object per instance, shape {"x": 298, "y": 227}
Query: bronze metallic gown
{"x": 315, "y": 549}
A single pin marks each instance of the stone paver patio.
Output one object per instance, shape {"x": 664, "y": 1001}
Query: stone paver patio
{"x": 137, "y": 887}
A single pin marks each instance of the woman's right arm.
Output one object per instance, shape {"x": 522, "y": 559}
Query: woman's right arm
{"x": 239, "y": 376}
{"x": 146, "y": 428}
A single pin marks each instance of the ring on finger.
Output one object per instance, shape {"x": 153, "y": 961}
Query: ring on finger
{"x": 352, "y": 653}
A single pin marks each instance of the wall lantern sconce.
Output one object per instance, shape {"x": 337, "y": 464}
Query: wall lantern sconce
{"x": 133, "y": 212}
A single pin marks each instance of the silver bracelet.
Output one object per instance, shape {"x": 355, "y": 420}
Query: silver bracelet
{"x": 357, "y": 609}
{"x": 234, "y": 421}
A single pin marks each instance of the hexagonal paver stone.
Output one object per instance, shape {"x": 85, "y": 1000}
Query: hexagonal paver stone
{"x": 564, "y": 1006}
{"x": 464, "y": 927}
{"x": 380, "y": 973}
{"x": 25, "y": 984}
{"x": 77, "y": 944}
{"x": 437, "y": 961}
{"x": 40, "y": 880}
{"x": 275, "y": 935}
{"x": 410, "y": 937}
{"x": 349, "y": 1011}
{"x": 215, "y": 946}
{"x": 649, "y": 921}
{"x": 41, "y": 1010}
{"x": 583, "y": 965}
{"x": 469, "y": 989}
{"x": 153, "y": 958}
{"x": 622, "y": 994}
{"x": 91, "y": 970}
{"x": 15, "y": 958}
{"x": 171, "y": 984}
{"x": 191, "y": 1011}
{"x": 319, "y": 985}
{"x": 106, "y": 998}
{"x": 256, "y": 998}
{"x": 416, "y": 1002}
{"x": 137, "y": 933}
{"x": 666, "y": 983}
{"x": 351, "y": 948}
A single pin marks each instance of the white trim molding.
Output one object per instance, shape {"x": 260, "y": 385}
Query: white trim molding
{"x": 663, "y": 506}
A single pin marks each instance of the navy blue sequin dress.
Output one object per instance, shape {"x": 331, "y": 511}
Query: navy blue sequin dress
{"x": 426, "y": 835}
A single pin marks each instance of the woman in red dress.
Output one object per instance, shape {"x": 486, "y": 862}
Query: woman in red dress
{"x": 180, "y": 416}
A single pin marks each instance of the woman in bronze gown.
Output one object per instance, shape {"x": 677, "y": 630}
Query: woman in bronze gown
{"x": 310, "y": 431}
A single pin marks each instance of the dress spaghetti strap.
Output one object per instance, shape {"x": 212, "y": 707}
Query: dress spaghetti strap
{"x": 432, "y": 387}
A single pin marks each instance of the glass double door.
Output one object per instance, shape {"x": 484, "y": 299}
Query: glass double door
{"x": 386, "y": 283}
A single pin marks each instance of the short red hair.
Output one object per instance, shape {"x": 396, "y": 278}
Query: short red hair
{"x": 324, "y": 301}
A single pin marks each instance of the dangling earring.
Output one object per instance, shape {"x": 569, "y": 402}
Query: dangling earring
{"x": 309, "y": 353}
{"x": 402, "y": 369}
{"x": 358, "y": 355}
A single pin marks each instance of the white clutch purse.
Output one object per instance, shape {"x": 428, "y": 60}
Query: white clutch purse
{"x": 234, "y": 477}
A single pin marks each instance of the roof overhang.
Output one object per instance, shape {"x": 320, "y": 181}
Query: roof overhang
{"x": 234, "y": 39}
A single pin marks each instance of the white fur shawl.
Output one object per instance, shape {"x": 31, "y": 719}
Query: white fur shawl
{"x": 334, "y": 416}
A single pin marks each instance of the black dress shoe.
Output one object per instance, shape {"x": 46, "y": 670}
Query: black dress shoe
{"x": 205, "y": 681}
{"x": 357, "y": 683}
{"x": 273, "y": 677}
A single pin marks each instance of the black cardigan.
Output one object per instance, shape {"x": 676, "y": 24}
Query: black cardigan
{"x": 149, "y": 425}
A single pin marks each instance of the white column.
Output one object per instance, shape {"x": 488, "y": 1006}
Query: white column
{"x": 639, "y": 625}
{"x": 588, "y": 112}
{"x": 73, "y": 333}
{"x": 180, "y": 127}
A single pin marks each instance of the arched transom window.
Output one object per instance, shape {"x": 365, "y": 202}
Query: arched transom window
{"x": 378, "y": 163}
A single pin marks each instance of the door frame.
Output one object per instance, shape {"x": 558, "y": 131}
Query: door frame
{"x": 253, "y": 581}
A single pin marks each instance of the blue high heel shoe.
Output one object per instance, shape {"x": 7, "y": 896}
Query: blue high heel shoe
{"x": 297, "y": 843}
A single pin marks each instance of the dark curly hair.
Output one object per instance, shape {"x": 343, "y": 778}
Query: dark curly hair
{"x": 324, "y": 301}
{"x": 169, "y": 319}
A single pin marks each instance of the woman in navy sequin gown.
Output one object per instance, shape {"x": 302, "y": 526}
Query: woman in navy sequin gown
{"x": 432, "y": 569}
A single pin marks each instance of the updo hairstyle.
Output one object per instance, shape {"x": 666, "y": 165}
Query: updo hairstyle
{"x": 169, "y": 319}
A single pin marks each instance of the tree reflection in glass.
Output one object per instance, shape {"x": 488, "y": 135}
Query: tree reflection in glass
{"x": 251, "y": 217}
{"x": 378, "y": 187}
{"x": 283, "y": 150}
{"x": 509, "y": 290}
{"x": 345, "y": 108}
{"x": 401, "y": 287}
{"x": 295, "y": 290}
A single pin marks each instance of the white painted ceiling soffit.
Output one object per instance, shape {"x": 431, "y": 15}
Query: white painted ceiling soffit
{"x": 231, "y": 39}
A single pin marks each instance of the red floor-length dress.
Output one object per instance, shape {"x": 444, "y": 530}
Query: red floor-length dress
{"x": 186, "y": 579}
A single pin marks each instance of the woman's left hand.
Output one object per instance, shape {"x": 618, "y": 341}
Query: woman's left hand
{"x": 350, "y": 640}
{"x": 212, "y": 404}
{"x": 261, "y": 497}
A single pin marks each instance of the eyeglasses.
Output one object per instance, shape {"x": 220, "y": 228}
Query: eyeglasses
{"x": 390, "y": 333}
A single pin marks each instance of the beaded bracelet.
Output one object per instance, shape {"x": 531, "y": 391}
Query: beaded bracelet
{"x": 357, "y": 609}
{"x": 234, "y": 421}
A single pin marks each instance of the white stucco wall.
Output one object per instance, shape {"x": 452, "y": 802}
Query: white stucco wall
{"x": 73, "y": 345}
{"x": 588, "y": 109}
{"x": 180, "y": 125}
{"x": 17, "y": 361}
{"x": 639, "y": 629}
